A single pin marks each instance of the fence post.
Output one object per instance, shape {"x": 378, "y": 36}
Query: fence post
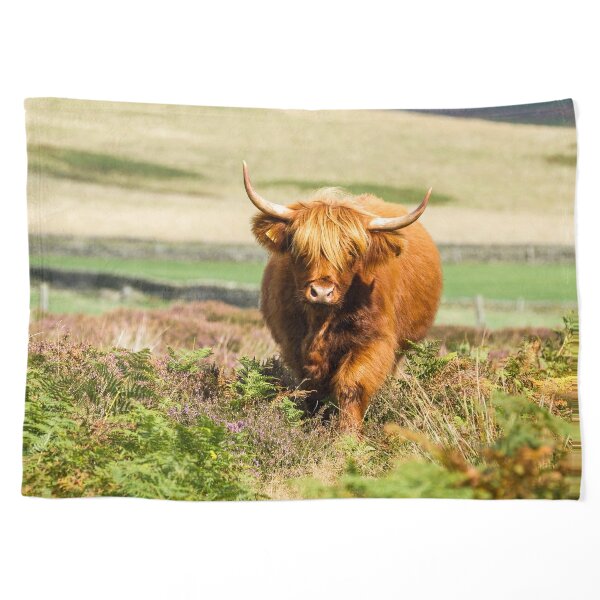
{"x": 126, "y": 293}
{"x": 44, "y": 298}
{"x": 479, "y": 311}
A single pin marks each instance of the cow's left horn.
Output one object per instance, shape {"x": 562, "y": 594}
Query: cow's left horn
{"x": 392, "y": 223}
{"x": 270, "y": 208}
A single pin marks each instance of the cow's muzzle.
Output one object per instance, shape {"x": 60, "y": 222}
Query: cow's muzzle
{"x": 321, "y": 293}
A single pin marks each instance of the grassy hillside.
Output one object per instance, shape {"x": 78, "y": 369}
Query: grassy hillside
{"x": 173, "y": 172}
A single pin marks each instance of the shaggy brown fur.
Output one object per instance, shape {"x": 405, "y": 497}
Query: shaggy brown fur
{"x": 387, "y": 287}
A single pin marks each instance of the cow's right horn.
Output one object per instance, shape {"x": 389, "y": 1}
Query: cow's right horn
{"x": 275, "y": 210}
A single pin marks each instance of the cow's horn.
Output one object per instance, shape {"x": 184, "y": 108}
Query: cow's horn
{"x": 392, "y": 223}
{"x": 275, "y": 210}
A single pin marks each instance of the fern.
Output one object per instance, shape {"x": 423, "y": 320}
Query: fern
{"x": 87, "y": 431}
{"x": 186, "y": 361}
{"x": 423, "y": 360}
{"x": 291, "y": 412}
{"x": 251, "y": 383}
{"x": 170, "y": 460}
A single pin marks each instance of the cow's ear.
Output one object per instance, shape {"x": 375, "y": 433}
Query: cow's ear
{"x": 270, "y": 233}
{"x": 383, "y": 246}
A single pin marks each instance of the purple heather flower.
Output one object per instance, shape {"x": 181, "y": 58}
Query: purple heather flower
{"x": 236, "y": 427}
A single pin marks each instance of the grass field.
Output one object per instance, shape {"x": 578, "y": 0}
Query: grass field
{"x": 173, "y": 172}
{"x": 180, "y": 271}
{"x": 498, "y": 281}
{"x": 152, "y": 172}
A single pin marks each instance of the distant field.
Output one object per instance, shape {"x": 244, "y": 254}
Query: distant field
{"x": 498, "y": 281}
{"x": 502, "y": 281}
{"x": 173, "y": 172}
{"x": 180, "y": 271}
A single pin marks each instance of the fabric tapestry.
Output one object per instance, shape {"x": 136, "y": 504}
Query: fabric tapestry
{"x": 251, "y": 304}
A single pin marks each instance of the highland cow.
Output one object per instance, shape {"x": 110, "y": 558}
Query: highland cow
{"x": 349, "y": 282}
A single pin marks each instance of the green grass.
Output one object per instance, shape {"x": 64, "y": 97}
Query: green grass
{"x": 179, "y": 271}
{"x": 509, "y": 281}
{"x": 498, "y": 281}
{"x": 550, "y": 283}
{"x": 91, "y": 303}
{"x": 499, "y": 319}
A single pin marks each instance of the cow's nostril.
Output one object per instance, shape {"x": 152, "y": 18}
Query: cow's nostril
{"x": 329, "y": 293}
{"x": 313, "y": 292}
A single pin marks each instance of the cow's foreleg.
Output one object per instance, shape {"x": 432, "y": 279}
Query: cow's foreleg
{"x": 315, "y": 373}
{"x": 359, "y": 375}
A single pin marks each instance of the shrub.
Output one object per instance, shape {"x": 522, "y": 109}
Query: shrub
{"x": 546, "y": 372}
{"x": 528, "y": 460}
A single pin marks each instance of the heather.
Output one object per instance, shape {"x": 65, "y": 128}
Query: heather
{"x": 211, "y": 413}
{"x": 229, "y": 331}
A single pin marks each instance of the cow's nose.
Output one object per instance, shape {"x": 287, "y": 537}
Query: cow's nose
{"x": 321, "y": 293}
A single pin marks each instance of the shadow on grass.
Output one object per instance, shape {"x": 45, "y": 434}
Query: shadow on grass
{"x": 398, "y": 195}
{"x": 569, "y": 160}
{"x": 71, "y": 163}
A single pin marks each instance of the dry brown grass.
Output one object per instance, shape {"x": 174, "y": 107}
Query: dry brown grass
{"x": 489, "y": 170}
{"x": 230, "y": 332}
